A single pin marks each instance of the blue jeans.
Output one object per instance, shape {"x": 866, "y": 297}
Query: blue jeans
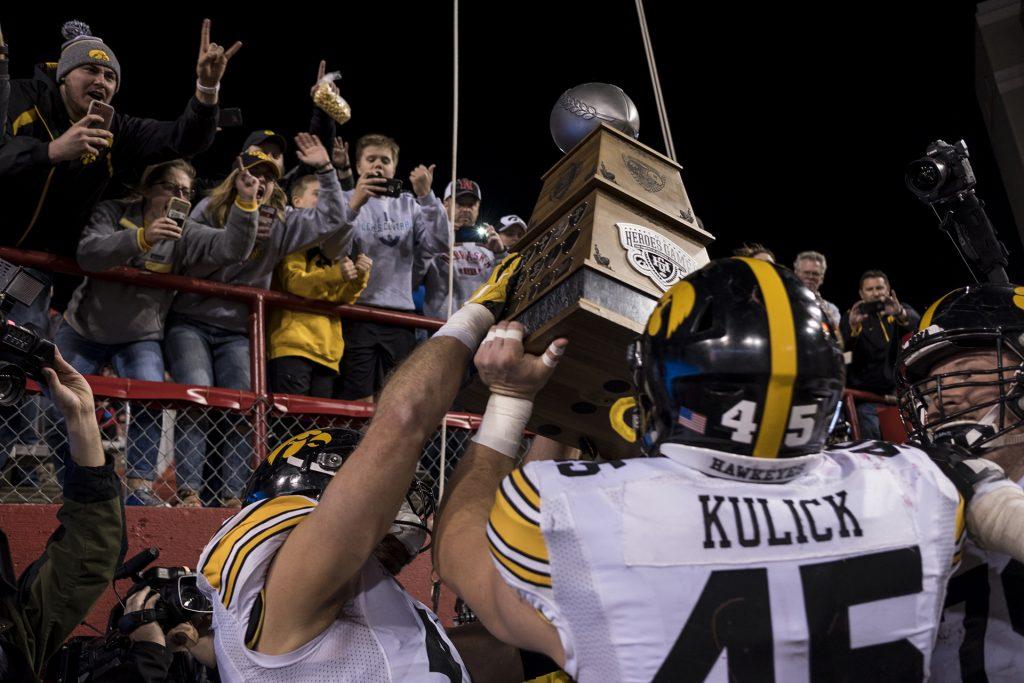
{"x": 209, "y": 356}
{"x": 867, "y": 417}
{"x": 135, "y": 360}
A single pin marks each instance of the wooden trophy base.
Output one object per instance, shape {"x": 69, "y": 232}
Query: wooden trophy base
{"x": 600, "y": 316}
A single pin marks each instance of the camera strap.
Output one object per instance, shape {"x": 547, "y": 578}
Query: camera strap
{"x": 133, "y": 620}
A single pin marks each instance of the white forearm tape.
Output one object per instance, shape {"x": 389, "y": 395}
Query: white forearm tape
{"x": 469, "y": 324}
{"x": 504, "y": 423}
{"x": 996, "y": 521}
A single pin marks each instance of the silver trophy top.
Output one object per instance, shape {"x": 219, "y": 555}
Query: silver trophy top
{"x": 582, "y": 109}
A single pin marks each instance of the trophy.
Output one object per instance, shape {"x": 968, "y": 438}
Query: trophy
{"x": 612, "y": 230}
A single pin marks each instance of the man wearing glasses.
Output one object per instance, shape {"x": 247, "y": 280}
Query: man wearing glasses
{"x": 810, "y": 267}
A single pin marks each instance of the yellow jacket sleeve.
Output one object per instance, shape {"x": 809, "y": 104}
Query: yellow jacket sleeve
{"x": 299, "y": 276}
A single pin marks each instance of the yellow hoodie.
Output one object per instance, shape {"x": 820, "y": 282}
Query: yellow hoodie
{"x": 312, "y": 335}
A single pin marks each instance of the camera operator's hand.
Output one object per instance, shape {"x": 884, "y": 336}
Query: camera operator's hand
{"x": 856, "y": 316}
{"x": 348, "y": 270}
{"x": 311, "y": 152}
{"x": 366, "y": 188}
{"x": 73, "y": 397}
{"x": 80, "y": 139}
{"x": 422, "y": 179}
{"x": 161, "y": 229}
{"x": 182, "y": 637}
{"x": 894, "y": 308}
{"x": 139, "y": 600}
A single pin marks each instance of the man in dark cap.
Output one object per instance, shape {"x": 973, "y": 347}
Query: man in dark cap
{"x": 56, "y": 159}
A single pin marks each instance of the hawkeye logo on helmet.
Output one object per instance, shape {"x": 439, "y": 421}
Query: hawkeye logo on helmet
{"x": 314, "y": 438}
{"x": 652, "y": 255}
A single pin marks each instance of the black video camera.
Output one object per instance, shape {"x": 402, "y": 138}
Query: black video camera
{"x": 89, "y": 658}
{"x": 392, "y": 187}
{"x": 872, "y": 307}
{"x": 944, "y": 180}
{"x": 23, "y": 353}
{"x": 942, "y": 174}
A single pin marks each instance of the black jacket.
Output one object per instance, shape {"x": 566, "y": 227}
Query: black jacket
{"x": 874, "y": 348}
{"x": 45, "y": 206}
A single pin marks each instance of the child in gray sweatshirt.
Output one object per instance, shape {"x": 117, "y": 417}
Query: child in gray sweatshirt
{"x": 395, "y": 232}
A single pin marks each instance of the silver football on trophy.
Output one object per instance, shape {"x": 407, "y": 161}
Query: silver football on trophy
{"x": 582, "y": 109}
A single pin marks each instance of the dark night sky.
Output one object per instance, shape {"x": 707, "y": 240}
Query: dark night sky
{"x": 793, "y": 126}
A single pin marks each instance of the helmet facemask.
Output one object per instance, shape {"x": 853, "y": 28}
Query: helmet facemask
{"x": 979, "y": 426}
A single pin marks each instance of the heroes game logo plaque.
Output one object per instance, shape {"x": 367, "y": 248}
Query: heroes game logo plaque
{"x": 653, "y": 255}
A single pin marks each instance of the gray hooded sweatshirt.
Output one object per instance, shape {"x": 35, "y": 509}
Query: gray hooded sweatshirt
{"x": 300, "y": 229}
{"x": 118, "y": 313}
{"x": 397, "y": 232}
{"x": 473, "y": 265}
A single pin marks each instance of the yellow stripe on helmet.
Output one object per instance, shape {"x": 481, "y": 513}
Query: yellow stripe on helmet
{"x": 778, "y": 398}
{"x": 926, "y": 319}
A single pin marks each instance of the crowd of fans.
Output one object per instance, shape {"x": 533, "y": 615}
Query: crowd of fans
{"x": 325, "y": 229}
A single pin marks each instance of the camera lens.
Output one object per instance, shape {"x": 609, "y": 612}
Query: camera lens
{"x": 12, "y": 384}
{"x": 925, "y": 175}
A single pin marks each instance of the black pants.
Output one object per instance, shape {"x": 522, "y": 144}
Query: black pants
{"x": 371, "y": 352}
{"x": 301, "y": 376}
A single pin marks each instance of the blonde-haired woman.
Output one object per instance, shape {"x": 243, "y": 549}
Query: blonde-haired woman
{"x": 207, "y": 340}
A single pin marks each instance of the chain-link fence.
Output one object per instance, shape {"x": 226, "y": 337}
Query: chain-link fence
{"x": 166, "y": 452}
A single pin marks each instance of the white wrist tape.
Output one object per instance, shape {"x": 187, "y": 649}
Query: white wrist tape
{"x": 996, "y": 520}
{"x": 469, "y": 324}
{"x": 503, "y": 424}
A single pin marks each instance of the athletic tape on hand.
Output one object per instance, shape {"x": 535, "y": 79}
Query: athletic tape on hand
{"x": 510, "y": 333}
{"x": 556, "y": 352}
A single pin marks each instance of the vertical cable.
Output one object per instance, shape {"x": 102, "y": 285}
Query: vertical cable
{"x": 451, "y": 215}
{"x": 659, "y": 98}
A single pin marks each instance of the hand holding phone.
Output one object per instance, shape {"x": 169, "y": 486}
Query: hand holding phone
{"x": 103, "y": 110}
{"x": 178, "y": 210}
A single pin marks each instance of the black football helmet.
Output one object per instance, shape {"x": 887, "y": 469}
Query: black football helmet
{"x": 986, "y": 317}
{"x": 737, "y": 357}
{"x": 306, "y": 463}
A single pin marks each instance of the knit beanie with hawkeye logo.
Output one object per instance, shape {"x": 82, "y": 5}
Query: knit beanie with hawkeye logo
{"x": 83, "y": 48}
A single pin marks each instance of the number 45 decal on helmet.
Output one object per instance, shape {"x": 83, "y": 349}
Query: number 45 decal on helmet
{"x": 740, "y": 419}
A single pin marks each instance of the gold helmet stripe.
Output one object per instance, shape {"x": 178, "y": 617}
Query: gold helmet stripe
{"x": 782, "y": 342}
{"x": 926, "y": 319}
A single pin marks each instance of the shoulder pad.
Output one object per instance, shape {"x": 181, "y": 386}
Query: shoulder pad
{"x": 967, "y": 471}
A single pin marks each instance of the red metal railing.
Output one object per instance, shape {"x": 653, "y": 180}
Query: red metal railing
{"x": 258, "y": 300}
{"x": 891, "y": 425}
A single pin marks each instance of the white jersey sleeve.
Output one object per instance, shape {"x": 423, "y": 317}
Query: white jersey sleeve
{"x": 233, "y": 567}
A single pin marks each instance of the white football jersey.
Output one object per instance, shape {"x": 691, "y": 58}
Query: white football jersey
{"x": 982, "y": 632}
{"x": 708, "y": 566}
{"x": 383, "y": 635}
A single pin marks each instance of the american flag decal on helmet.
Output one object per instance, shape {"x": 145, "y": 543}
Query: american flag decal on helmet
{"x": 693, "y": 421}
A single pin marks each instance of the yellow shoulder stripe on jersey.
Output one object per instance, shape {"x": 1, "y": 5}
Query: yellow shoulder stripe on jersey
{"x": 517, "y": 530}
{"x": 959, "y": 529}
{"x": 239, "y": 562}
{"x": 264, "y": 512}
{"x": 926, "y": 319}
{"x": 526, "y": 488}
{"x": 518, "y": 570}
{"x": 778, "y": 398}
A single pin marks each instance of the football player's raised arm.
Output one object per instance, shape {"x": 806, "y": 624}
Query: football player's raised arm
{"x": 312, "y": 574}
{"x": 462, "y": 555}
